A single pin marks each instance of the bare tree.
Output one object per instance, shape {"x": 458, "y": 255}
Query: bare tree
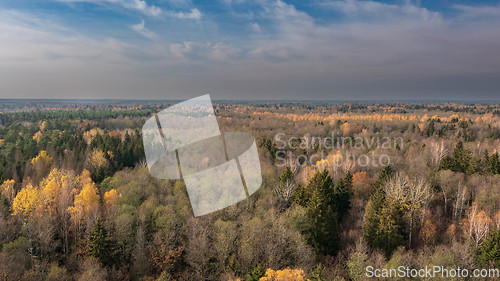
{"x": 285, "y": 190}
{"x": 477, "y": 225}
{"x": 460, "y": 202}
{"x": 438, "y": 151}
{"x": 415, "y": 194}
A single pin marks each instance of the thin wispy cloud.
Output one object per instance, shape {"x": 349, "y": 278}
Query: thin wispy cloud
{"x": 478, "y": 11}
{"x": 366, "y": 10}
{"x": 136, "y": 5}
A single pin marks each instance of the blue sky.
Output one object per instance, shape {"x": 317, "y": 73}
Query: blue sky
{"x": 238, "y": 49}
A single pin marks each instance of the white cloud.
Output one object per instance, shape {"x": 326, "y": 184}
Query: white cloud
{"x": 255, "y": 27}
{"x": 147, "y": 9}
{"x": 137, "y": 5}
{"x": 142, "y": 6}
{"x": 194, "y": 14}
{"x": 141, "y": 29}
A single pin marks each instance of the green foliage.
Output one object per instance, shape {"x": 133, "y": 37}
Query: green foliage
{"x": 358, "y": 261}
{"x": 165, "y": 276}
{"x": 391, "y": 229}
{"x": 383, "y": 175}
{"x": 57, "y": 273}
{"x": 301, "y": 196}
{"x": 99, "y": 245}
{"x": 342, "y": 196}
{"x": 320, "y": 210}
{"x": 373, "y": 212}
{"x": 258, "y": 272}
{"x": 490, "y": 250}
{"x": 155, "y": 234}
{"x": 430, "y": 128}
{"x": 20, "y": 245}
{"x": 384, "y": 226}
{"x": 326, "y": 205}
{"x": 270, "y": 146}
{"x": 317, "y": 273}
{"x": 287, "y": 175}
{"x": 460, "y": 160}
{"x": 493, "y": 164}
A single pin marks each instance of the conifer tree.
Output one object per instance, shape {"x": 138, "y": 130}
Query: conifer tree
{"x": 258, "y": 272}
{"x": 383, "y": 175}
{"x": 490, "y": 250}
{"x": 342, "y": 196}
{"x": 494, "y": 164}
{"x": 391, "y": 228}
{"x": 371, "y": 221}
{"x": 320, "y": 209}
{"x": 287, "y": 175}
{"x": 99, "y": 245}
{"x": 383, "y": 225}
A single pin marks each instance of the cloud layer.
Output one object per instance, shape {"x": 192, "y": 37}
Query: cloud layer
{"x": 359, "y": 50}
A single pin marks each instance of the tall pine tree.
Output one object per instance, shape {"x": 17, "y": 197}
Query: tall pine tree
{"x": 383, "y": 225}
{"x": 320, "y": 210}
{"x": 99, "y": 245}
{"x": 342, "y": 196}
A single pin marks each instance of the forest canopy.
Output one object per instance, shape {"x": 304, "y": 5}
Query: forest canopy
{"x": 77, "y": 201}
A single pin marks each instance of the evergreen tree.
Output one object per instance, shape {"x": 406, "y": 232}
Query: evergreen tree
{"x": 300, "y": 196}
{"x": 384, "y": 225}
{"x": 320, "y": 210}
{"x": 258, "y": 272}
{"x": 287, "y": 175}
{"x": 391, "y": 229}
{"x": 494, "y": 164}
{"x": 490, "y": 250}
{"x": 371, "y": 220}
{"x": 383, "y": 175}
{"x": 458, "y": 161}
{"x": 343, "y": 195}
{"x": 317, "y": 273}
{"x": 99, "y": 245}
{"x": 431, "y": 128}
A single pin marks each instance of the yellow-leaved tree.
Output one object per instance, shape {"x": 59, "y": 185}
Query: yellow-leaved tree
{"x": 26, "y": 201}
{"x": 97, "y": 164}
{"x": 286, "y": 274}
{"x": 86, "y": 206}
{"x": 42, "y": 158}
{"x": 56, "y": 190}
{"x": 111, "y": 197}
{"x": 41, "y": 165}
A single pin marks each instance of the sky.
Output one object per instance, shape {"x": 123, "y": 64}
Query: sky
{"x": 250, "y": 50}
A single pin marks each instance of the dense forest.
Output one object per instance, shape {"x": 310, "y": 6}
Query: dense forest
{"x": 77, "y": 201}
